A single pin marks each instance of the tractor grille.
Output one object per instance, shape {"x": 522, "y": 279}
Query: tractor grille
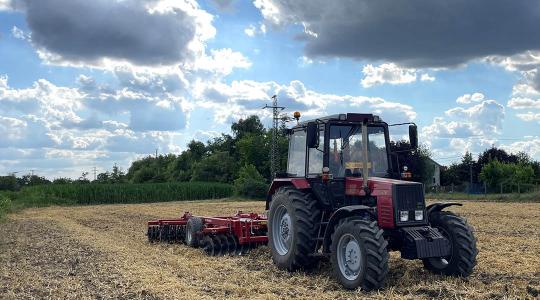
{"x": 409, "y": 196}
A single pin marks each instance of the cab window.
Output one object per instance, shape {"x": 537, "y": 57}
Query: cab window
{"x": 296, "y": 163}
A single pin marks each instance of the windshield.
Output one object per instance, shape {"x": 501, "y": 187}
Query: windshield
{"x": 346, "y": 152}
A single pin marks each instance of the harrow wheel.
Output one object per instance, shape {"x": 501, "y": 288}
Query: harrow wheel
{"x": 193, "y": 228}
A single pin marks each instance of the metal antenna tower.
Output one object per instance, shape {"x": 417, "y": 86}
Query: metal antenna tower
{"x": 274, "y": 151}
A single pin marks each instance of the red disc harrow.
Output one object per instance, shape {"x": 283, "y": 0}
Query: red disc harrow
{"x": 233, "y": 235}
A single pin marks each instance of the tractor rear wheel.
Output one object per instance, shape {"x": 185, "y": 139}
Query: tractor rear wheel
{"x": 292, "y": 231}
{"x": 359, "y": 255}
{"x": 463, "y": 251}
{"x": 193, "y": 226}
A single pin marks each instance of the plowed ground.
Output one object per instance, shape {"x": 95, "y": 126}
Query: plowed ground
{"x": 96, "y": 252}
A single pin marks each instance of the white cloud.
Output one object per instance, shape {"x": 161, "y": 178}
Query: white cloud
{"x": 5, "y": 5}
{"x": 427, "y": 77}
{"x": 530, "y": 146}
{"x": 390, "y": 73}
{"x": 222, "y": 62}
{"x": 529, "y": 116}
{"x": 523, "y": 103}
{"x": 387, "y": 73}
{"x": 471, "y": 128}
{"x": 252, "y": 30}
{"x": 248, "y": 97}
{"x": 468, "y": 98}
{"x": 524, "y": 61}
{"x": 20, "y": 34}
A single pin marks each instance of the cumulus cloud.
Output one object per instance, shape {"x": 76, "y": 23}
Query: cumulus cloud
{"x": 386, "y": 73}
{"x": 139, "y": 32}
{"x": 415, "y": 33}
{"x": 222, "y": 62}
{"x": 248, "y": 97}
{"x": 427, "y": 77}
{"x": 253, "y": 30}
{"x": 46, "y": 115}
{"x": 530, "y": 146}
{"x": 530, "y": 116}
{"x": 473, "y": 127}
{"x": 470, "y": 98}
{"x": 390, "y": 73}
{"x": 523, "y": 103}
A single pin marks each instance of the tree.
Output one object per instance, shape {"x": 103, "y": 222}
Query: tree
{"x": 418, "y": 162}
{"x": 495, "y": 173}
{"x": 83, "y": 178}
{"x": 252, "y": 125}
{"x": 9, "y": 183}
{"x": 250, "y": 183}
{"x": 62, "y": 180}
{"x": 254, "y": 150}
{"x": 217, "y": 167}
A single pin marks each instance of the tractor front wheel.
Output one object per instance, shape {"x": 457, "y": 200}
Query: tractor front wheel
{"x": 462, "y": 258}
{"x": 292, "y": 230}
{"x": 359, "y": 255}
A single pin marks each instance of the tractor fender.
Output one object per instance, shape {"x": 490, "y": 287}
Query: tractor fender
{"x": 341, "y": 213}
{"x": 298, "y": 183}
{"x": 439, "y": 206}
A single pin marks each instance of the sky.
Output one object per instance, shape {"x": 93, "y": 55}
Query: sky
{"x": 87, "y": 84}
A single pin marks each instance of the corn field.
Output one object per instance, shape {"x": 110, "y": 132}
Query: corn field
{"x": 127, "y": 193}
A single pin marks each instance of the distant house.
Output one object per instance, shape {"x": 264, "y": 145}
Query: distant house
{"x": 436, "y": 180}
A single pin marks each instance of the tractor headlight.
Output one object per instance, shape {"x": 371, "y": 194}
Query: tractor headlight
{"x": 418, "y": 215}
{"x": 404, "y": 215}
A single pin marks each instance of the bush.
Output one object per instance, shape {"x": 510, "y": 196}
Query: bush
{"x": 5, "y": 205}
{"x": 250, "y": 183}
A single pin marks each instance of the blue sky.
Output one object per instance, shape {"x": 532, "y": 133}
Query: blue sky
{"x": 88, "y": 84}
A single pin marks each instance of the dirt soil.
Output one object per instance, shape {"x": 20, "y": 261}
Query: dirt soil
{"x": 101, "y": 252}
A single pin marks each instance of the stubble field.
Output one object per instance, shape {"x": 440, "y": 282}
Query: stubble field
{"x": 94, "y": 252}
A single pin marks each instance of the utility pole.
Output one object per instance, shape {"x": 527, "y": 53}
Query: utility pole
{"x": 32, "y": 172}
{"x": 274, "y": 151}
{"x": 95, "y": 172}
{"x": 470, "y": 176}
{"x": 156, "y": 152}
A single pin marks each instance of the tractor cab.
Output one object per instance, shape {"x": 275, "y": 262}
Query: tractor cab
{"x": 336, "y": 145}
{"x": 341, "y": 197}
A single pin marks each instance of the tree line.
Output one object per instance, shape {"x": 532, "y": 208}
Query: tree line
{"x": 494, "y": 167}
{"x": 242, "y": 158}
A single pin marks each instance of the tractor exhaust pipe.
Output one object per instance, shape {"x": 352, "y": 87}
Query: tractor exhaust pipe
{"x": 365, "y": 167}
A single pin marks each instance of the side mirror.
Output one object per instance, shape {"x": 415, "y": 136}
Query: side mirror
{"x": 312, "y": 137}
{"x": 413, "y": 136}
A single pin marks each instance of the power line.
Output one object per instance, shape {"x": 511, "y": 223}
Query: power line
{"x": 274, "y": 152}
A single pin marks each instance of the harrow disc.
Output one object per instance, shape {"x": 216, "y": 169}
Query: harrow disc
{"x": 224, "y": 244}
{"x": 232, "y": 244}
{"x": 208, "y": 246}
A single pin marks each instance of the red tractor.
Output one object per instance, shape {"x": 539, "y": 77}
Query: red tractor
{"x": 341, "y": 197}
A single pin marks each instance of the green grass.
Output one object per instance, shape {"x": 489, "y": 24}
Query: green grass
{"x": 511, "y": 197}
{"x": 85, "y": 194}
